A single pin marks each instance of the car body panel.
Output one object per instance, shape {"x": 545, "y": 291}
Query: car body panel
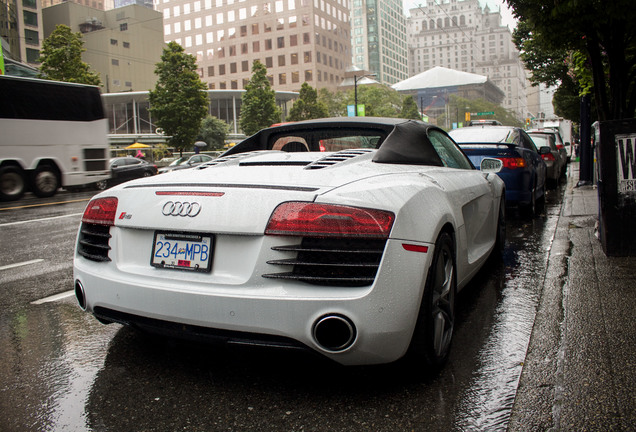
{"x": 235, "y": 197}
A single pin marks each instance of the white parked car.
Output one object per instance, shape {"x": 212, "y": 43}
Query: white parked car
{"x": 353, "y": 243}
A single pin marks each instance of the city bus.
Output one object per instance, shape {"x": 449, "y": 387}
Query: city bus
{"x": 52, "y": 135}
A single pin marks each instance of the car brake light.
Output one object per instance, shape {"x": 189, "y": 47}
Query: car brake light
{"x": 313, "y": 219}
{"x": 101, "y": 211}
{"x": 513, "y": 163}
{"x": 548, "y": 157}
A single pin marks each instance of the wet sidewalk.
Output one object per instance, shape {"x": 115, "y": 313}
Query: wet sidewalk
{"x": 580, "y": 368}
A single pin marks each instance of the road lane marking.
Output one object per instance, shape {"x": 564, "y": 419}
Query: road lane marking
{"x": 20, "y": 264}
{"x": 45, "y": 204}
{"x": 54, "y": 298}
{"x": 40, "y": 220}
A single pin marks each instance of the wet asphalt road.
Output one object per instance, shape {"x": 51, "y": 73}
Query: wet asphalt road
{"x": 60, "y": 370}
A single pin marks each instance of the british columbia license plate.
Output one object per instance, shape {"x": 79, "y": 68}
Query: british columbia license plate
{"x": 182, "y": 251}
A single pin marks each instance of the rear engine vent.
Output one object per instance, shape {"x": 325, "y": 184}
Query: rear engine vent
{"x": 93, "y": 242}
{"x": 332, "y": 261}
{"x": 338, "y": 157}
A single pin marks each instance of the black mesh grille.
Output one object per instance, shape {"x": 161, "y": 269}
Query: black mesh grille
{"x": 93, "y": 242}
{"x": 331, "y": 261}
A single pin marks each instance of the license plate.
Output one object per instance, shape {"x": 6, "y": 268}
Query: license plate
{"x": 182, "y": 251}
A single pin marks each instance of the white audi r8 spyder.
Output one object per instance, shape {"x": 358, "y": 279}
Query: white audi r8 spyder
{"x": 347, "y": 236}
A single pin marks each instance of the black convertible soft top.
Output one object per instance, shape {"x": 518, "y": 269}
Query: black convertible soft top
{"x": 398, "y": 141}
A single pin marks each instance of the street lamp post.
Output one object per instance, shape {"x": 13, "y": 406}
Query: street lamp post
{"x": 355, "y": 90}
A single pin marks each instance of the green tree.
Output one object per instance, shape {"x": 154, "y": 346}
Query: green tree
{"x": 409, "y": 109}
{"x": 179, "y": 101}
{"x": 61, "y": 58}
{"x": 213, "y": 132}
{"x": 603, "y": 31}
{"x": 334, "y": 101}
{"x": 378, "y": 100}
{"x": 307, "y": 106}
{"x": 258, "y": 105}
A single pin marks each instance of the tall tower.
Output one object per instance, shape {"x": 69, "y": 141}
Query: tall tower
{"x": 379, "y": 40}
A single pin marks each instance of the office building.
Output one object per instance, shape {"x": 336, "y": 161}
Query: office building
{"x": 378, "y": 39}
{"x": 460, "y": 35}
{"x": 297, "y": 40}
{"x": 123, "y": 45}
{"x": 21, "y": 30}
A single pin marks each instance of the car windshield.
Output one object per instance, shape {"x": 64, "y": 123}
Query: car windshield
{"x": 483, "y": 135}
{"x": 329, "y": 140}
{"x": 541, "y": 140}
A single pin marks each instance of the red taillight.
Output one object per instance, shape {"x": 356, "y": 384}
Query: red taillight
{"x": 313, "y": 219}
{"x": 513, "y": 163}
{"x": 101, "y": 211}
{"x": 548, "y": 157}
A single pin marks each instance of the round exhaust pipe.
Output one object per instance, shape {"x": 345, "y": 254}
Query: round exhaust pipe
{"x": 79, "y": 295}
{"x": 334, "y": 332}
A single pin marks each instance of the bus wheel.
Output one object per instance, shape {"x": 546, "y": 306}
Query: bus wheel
{"x": 45, "y": 181}
{"x": 12, "y": 184}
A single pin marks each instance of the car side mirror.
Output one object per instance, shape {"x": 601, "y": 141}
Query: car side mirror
{"x": 490, "y": 165}
{"x": 544, "y": 150}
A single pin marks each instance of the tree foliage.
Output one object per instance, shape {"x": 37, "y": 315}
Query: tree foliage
{"x": 213, "y": 132}
{"x": 603, "y": 31}
{"x": 61, "y": 58}
{"x": 378, "y": 100}
{"x": 179, "y": 101}
{"x": 307, "y": 106}
{"x": 409, "y": 109}
{"x": 334, "y": 101}
{"x": 258, "y": 105}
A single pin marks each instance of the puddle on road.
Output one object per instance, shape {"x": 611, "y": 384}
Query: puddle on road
{"x": 487, "y": 403}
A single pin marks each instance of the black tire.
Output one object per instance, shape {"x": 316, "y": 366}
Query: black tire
{"x": 102, "y": 184}
{"x": 148, "y": 173}
{"x": 436, "y": 320}
{"x": 45, "y": 181}
{"x": 12, "y": 183}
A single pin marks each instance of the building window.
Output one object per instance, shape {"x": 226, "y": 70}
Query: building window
{"x": 222, "y": 85}
{"x": 295, "y": 77}
{"x": 31, "y": 37}
{"x": 268, "y": 44}
{"x": 114, "y": 62}
{"x": 307, "y": 57}
{"x": 254, "y": 29}
{"x": 280, "y": 42}
{"x": 32, "y": 55}
{"x": 113, "y": 41}
{"x": 211, "y": 71}
{"x": 245, "y": 66}
{"x": 306, "y": 38}
{"x": 128, "y": 84}
{"x": 234, "y": 84}
{"x": 233, "y": 68}
{"x": 243, "y": 48}
{"x": 126, "y": 44}
{"x": 293, "y": 40}
{"x": 281, "y": 60}
{"x": 30, "y": 18}
{"x": 256, "y": 46}
{"x": 294, "y": 58}
{"x": 308, "y": 76}
{"x": 269, "y": 62}
{"x": 282, "y": 78}
{"x": 123, "y": 27}
{"x": 30, "y": 4}
{"x": 222, "y": 69}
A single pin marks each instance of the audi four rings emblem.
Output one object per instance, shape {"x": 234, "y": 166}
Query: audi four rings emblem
{"x": 178, "y": 208}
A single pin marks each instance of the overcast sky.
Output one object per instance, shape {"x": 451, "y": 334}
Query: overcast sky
{"x": 507, "y": 18}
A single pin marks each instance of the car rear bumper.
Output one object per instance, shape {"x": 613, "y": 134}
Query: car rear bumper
{"x": 382, "y": 316}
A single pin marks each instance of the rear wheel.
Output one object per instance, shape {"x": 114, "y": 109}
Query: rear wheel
{"x": 436, "y": 321}
{"x": 45, "y": 181}
{"x": 12, "y": 183}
